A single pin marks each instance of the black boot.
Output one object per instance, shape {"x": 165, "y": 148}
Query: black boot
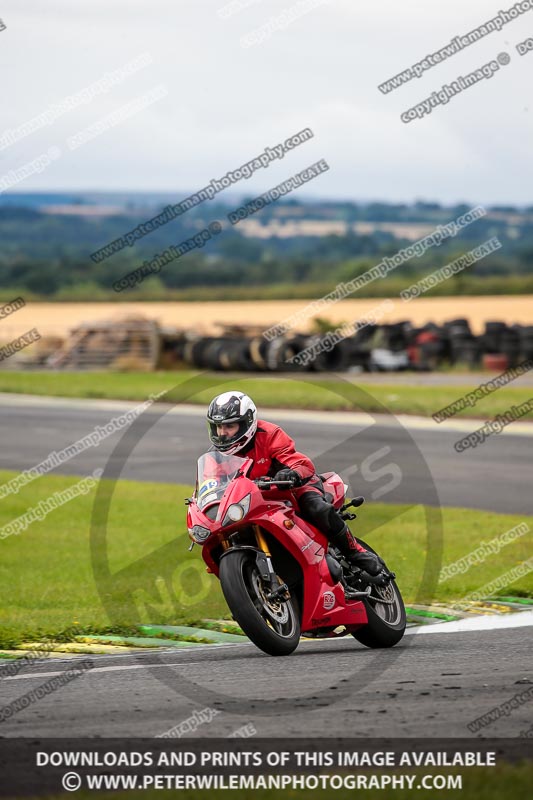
{"x": 356, "y": 555}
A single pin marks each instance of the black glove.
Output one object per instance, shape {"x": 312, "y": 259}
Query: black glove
{"x": 288, "y": 475}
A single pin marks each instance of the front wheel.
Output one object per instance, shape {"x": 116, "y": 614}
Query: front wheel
{"x": 386, "y": 615}
{"x": 273, "y": 626}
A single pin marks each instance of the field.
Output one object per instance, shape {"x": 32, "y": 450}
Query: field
{"x": 142, "y": 571}
{"x": 56, "y": 319}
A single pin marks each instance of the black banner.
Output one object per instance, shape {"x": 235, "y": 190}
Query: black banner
{"x": 33, "y": 767}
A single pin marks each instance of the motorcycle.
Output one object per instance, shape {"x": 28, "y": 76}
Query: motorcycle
{"x": 279, "y": 575}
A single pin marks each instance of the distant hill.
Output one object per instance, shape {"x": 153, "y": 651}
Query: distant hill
{"x": 288, "y": 248}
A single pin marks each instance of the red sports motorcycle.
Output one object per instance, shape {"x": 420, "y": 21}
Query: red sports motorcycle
{"x": 280, "y": 577}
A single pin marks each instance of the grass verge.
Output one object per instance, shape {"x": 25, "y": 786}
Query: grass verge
{"x": 144, "y": 573}
{"x": 322, "y": 394}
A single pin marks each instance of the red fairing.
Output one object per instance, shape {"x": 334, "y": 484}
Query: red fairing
{"x": 324, "y": 602}
{"x": 334, "y": 486}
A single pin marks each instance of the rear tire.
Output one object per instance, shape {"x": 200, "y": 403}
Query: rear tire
{"x": 273, "y": 627}
{"x": 386, "y": 623}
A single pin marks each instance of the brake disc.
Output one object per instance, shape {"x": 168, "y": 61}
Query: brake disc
{"x": 281, "y": 614}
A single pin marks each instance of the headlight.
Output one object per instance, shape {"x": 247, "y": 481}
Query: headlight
{"x": 199, "y": 533}
{"x": 237, "y": 511}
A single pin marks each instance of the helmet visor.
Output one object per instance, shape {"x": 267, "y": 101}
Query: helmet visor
{"x": 220, "y": 438}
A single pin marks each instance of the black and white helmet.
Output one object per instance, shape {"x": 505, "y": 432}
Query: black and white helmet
{"x": 230, "y": 407}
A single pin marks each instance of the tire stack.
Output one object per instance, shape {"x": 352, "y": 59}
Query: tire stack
{"x": 360, "y": 347}
{"x": 281, "y": 349}
{"x": 427, "y": 348}
{"x": 510, "y": 345}
{"x": 240, "y": 354}
{"x": 275, "y": 356}
{"x": 463, "y": 347}
{"x": 491, "y": 338}
{"x": 502, "y": 340}
{"x": 219, "y": 353}
{"x": 398, "y": 335}
{"x": 525, "y": 335}
{"x": 335, "y": 360}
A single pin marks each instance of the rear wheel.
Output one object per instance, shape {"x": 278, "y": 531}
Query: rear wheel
{"x": 386, "y": 615}
{"x": 273, "y": 626}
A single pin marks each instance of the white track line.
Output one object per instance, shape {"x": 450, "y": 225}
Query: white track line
{"x": 331, "y": 417}
{"x": 484, "y": 623}
{"x": 488, "y": 622}
{"x": 73, "y": 665}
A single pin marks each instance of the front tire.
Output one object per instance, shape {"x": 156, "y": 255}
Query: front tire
{"x": 274, "y": 627}
{"x": 386, "y": 620}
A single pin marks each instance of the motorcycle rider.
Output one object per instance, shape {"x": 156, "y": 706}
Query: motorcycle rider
{"x": 234, "y": 429}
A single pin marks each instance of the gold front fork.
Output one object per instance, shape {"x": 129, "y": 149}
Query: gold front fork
{"x": 261, "y": 541}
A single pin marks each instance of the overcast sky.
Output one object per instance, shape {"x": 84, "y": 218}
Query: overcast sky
{"x": 225, "y": 102}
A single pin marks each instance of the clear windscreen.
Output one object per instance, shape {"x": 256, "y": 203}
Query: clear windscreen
{"x": 215, "y": 471}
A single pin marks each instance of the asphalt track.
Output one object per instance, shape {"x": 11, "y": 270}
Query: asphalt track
{"x": 427, "y": 686}
{"x": 496, "y": 476}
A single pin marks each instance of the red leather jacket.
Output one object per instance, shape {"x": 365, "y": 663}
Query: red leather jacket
{"x": 272, "y": 449}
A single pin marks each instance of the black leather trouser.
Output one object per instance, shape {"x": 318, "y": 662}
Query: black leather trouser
{"x": 315, "y": 509}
